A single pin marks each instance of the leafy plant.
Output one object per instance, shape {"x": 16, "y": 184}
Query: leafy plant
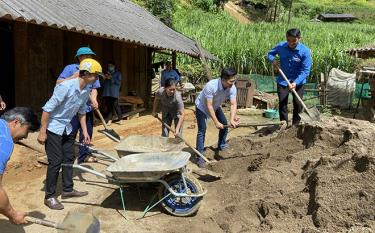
{"x": 245, "y": 47}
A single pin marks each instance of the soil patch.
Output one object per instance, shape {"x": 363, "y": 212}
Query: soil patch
{"x": 311, "y": 178}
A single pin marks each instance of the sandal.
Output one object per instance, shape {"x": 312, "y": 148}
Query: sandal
{"x": 90, "y": 159}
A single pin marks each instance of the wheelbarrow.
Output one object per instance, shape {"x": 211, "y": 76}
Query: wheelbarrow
{"x": 145, "y": 144}
{"x": 179, "y": 193}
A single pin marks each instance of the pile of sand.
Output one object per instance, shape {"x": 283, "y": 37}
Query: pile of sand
{"x": 312, "y": 178}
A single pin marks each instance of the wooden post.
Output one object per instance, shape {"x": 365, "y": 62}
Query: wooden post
{"x": 174, "y": 58}
{"x": 203, "y": 59}
{"x": 323, "y": 90}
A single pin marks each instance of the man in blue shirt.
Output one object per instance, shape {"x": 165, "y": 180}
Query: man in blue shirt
{"x": 68, "y": 99}
{"x": 295, "y": 61}
{"x": 71, "y": 72}
{"x": 15, "y": 125}
{"x": 111, "y": 92}
{"x": 208, "y": 105}
{"x": 168, "y": 73}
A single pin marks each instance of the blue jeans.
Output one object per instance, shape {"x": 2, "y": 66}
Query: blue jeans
{"x": 83, "y": 151}
{"x": 202, "y": 126}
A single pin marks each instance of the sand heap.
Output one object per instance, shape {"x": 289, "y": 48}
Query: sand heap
{"x": 312, "y": 178}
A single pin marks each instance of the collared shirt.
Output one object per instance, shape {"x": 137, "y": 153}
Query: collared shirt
{"x": 295, "y": 63}
{"x": 167, "y": 74}
{"x": 68, "y": 71}
{"x": 66, "y": 101}
{"x": 111, "y": 87}
{"x": 214, "y": 91}
{"x": 6, "y": 145}
{"x": 169, "y": 104}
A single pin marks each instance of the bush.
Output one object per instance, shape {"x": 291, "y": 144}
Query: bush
{"x": 208, "y": 5}
{"x": 162, "y": 9}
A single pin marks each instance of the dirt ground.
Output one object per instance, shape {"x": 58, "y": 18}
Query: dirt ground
{"x": 312, "y": 178}
{"x": 25, "y": 177}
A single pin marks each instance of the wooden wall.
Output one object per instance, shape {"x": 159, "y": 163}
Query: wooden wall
{"x": 40, "y": 54}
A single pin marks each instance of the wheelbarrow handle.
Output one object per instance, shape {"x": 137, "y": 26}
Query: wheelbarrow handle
{"x": 93, "y": 150}
{"x": 85, "y": 169}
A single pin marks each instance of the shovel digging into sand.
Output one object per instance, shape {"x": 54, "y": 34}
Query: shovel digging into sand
{"x": 206, "y": 171}
{"x": 180, "y": 137}
{"x": 106, "y": 131}
{"x": 72, "y": 223}
{"x": 310, "y": 114}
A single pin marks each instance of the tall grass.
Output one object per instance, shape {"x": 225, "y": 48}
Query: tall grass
{"x": 245, "y": 46}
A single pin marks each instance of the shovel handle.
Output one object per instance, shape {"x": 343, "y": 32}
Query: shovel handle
{"x": 101, "y": 118}
{"x": 293, "y": 90}
{"x": 188, "y": 144}
{"x": 255, "y": 124}
{"x": 43, "y": 222}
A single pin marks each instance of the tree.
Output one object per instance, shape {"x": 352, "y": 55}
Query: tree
{"x": 162, "y": 9}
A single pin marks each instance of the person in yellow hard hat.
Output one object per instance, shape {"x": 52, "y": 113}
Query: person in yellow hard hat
{"x": 68, "y": 99}
{"x": 71, "y": 72}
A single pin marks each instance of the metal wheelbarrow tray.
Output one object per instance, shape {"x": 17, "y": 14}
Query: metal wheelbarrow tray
{"x": 143, "y": 144}
{"x": 147, "y": 166}
{"x": 180, "y": 194}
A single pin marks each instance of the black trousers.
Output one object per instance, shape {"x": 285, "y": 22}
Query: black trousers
{"x": 59, "y": 149}
{"x": 112, "y": 104}
{"x": 283, "y": 93}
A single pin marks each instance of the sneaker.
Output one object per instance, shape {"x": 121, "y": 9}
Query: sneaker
{"x": 109, "y": 122}
{"x": 53, "y": 203}
{"x": 74, "y": 193}
{"x": 223, "y": 147}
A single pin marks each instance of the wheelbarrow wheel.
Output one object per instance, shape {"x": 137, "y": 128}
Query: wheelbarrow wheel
{"x": 181, "y": 206}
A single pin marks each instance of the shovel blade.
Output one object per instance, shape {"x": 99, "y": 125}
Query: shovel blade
{"x": 111, "y": 134}
{"x": 309, "y": 115}
{"x": 80, "y": 223}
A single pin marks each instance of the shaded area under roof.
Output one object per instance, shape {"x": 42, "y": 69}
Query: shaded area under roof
{"x": 113, "y": 19}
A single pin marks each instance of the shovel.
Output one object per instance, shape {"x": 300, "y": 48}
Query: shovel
{"x": 199, "y": 172}
{"x": 188, "y": 144}
{"x": 257, "y": 124}
{"x": 73, "y": 223}
{"x": 312, "y": 114}
{"x": 107, "y": 132}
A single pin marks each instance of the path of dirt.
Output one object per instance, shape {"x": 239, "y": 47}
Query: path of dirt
{"x": 236, "y": 12}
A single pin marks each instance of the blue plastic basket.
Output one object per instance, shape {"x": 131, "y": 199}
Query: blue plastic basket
{"x": 271, "y": 113}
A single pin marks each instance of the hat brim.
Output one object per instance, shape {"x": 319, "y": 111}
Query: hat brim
{"x": 77, "y": 55}
{"x": 100, "y": 75}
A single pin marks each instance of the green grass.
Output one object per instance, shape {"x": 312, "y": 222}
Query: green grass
{"x": 245, "y": 46}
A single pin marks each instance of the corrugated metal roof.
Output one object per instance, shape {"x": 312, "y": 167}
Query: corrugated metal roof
{"x": 363, "y": 49}
{"x": 338, "y": 16}
{"x": 113, "y": 19}
{"x": 363, "y": 52}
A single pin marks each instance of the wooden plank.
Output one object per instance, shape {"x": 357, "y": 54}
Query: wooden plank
{"x": 128, "y": 114}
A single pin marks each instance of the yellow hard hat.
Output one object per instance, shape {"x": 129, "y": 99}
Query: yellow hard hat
{"x": 90, "y": 65}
